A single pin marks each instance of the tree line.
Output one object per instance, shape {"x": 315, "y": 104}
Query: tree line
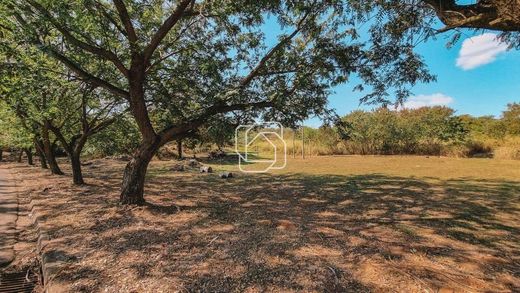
{"x": 71, "y": 69}
{"x": 424, "y": 131}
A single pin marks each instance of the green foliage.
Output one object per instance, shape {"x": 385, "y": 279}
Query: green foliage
{"x": 120, "y": 138}
{"x": 219, "y": 59}
{"x": 511, "y": 119}
{"x": 383, "y": 131}
{"x": 12, "y": 132}
{"x": 485, "y": 126}
{"x": 221, "y": 132}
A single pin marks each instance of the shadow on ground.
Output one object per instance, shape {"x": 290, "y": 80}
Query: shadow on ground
{"x": 288, "y": 233}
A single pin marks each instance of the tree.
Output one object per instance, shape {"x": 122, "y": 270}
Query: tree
{"x": 93, "y": 117}
{"x": 119, "y": 138}
{"x": 45, "y": 98}
{"x": 200, "y": 59}
{"x": 511, "y": 118}
{"x": 13, "y": 134}
{"x": 426, "y": 130}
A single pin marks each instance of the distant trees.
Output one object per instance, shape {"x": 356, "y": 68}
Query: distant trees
{"x": 497, "y": 128}
{"x": 511, "y": 118}
{"x": 414, "y": 131}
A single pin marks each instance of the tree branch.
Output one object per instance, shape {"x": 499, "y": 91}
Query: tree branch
{"x": 501, "y": 15}
{"x": 261, "y": 64}
{"x": 100, "y": 52}
{"x": 127, "y": 22}
{"x": 170, "y": 133}
{"x": 165, "y": 28}
{"x": 107, "y": 15}
{"x": 84, "y": 74}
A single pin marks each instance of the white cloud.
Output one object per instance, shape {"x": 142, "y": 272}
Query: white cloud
{"x": 428, "y": 101}
{"x": 480, "y": 50}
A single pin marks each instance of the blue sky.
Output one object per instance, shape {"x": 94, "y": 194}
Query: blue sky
{"x": 477, "y": 76}
{"x": 480, "y": 79}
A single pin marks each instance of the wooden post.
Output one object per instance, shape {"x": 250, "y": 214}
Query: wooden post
{"x": 293, "y": 146}
{"x": 303, "y": 141}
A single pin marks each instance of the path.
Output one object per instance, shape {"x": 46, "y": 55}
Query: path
{"x": 8, "y": 217}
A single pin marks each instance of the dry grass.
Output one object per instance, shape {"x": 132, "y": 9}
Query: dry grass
{"x": 328, "y": 224}
{"x": 402, "y": 166}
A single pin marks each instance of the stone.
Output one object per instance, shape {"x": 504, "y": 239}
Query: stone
{"x": 226, "y": 175}
{"x": 206, "y": 169}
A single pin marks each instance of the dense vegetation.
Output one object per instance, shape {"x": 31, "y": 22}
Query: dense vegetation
{"x": 423, "y": 131}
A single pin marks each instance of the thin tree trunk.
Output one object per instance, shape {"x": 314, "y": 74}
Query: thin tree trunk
{"x": 303, "y": 141}
{"x": 38, "y": 146}
{"x": 20, "y": 154}
{"x": 132, "y": 189}
{"x": 28, "y": 152}
{"x": 1, "y": 154}
{"x": 75, "y": 161}
{"x": 293, "y": 146}
{"x": 179, "y": 149}
{"x": 49, "y": 153}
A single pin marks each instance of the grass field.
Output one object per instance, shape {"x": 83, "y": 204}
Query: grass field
{"x": 325, "y": 224}
{"x": 405, "y": 166}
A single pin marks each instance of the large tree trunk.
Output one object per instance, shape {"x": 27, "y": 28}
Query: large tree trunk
{"x": 75, "y": 161}
{"x": 49, "y": 153}
{"x": 28, "y": 152}
{"x": 132, "y": 188}
{"x": 38, "y": 146}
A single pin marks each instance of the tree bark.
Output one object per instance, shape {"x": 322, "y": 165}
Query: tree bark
{"x": 73, "y": 150}
{"x": 28, "y": 152}
{"x": 38, "y": 146}
{"x": 49, "y": 153}
{"x": 500, "y": 15}
{"x": 179, "y": 149}
{"x": 20, "y": 154}
{"x": 75, "y": 161}
{"x": 134, "y": 175}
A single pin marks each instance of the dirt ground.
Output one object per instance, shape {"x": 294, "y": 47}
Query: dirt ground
{"x": 432, "y": 225}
